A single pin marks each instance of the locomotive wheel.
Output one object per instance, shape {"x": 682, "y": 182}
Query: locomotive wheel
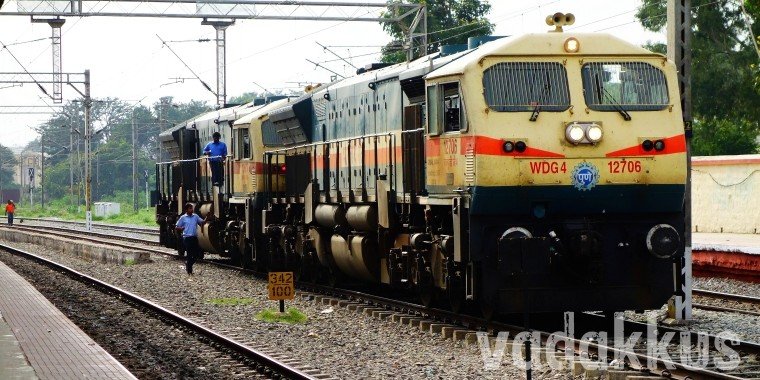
{"x": 486, "y": 298}
{"x": 487, "y": 310}
{"x": 426, "y": 289}
{"x": 455, "y": 291}
{"x": 236, "y": 256}
{"x": 455, "y": 287}
{"x": 246, "y": 256}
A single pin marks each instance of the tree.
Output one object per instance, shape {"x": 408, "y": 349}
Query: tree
{"x": 113, "y": 120}
{"x": 7, "y": 168}
{"x": 448, "y": 22}
{"x": 725, "y": 72}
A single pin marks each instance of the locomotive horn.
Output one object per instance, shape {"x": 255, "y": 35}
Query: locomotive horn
{"x": 569, "y": 19}
{"x": 559, "y": 19}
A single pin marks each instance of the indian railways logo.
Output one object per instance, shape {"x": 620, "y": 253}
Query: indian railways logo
{"x": 585, "y": 176}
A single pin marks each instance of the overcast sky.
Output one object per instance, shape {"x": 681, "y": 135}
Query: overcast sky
{"x": 127, "y": 60}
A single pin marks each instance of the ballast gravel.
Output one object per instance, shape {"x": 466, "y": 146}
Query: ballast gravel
{"x": 746, "y": 327}
{"x": 338, "y": 342}
{"x": 146, "y": 346}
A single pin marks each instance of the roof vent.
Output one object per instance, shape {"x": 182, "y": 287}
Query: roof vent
{"x": 372, "y": 66}
{"x": 452, "y": 49}
{"x": 474, "y": 42}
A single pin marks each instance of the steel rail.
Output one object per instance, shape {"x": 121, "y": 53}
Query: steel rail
{"x": 726, "y": 296}
{"x": 228, "y": 343}
{"x": 145, "y": 230}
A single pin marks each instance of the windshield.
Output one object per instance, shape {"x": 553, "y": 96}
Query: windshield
{"x": 522, "y": 86}
{"x": 631, "y": 86}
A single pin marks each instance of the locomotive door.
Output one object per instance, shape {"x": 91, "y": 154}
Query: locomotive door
{"x": 444, "y": 151}
{"x": 413, "y": 149}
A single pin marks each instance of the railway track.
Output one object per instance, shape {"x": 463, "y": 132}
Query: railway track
{"x": 748, "y": 351}
{"x": 105, "y": 226}
{"x": 265, "y": 364}
{"x": 727, "y": 302}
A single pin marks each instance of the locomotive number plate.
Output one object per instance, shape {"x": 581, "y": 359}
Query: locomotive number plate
{"x": 281, "y": 286}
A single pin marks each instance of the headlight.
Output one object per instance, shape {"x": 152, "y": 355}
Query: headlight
{"x": 663, "y": 241}
{"x": 574, "y": 133}
{"x": 572, "y": 45}
{"x": 516, "y": 233}
{"x": 594, "y": 133}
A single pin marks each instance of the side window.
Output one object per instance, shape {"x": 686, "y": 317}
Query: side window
{"x": 453, "y": 112}
{"x": 433, "y": 111}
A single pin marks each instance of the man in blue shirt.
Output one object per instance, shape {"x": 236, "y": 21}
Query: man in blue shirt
{"x": 217, "y": 151}
{"x": 188, "y": 223}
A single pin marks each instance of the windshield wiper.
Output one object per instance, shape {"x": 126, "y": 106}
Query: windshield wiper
{"x": 537, "y": 108}
{"x": 618, "y": 106}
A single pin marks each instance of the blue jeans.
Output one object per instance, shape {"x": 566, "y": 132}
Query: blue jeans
{"x": 193, "y": 251}
{"x": 217, "y": 174}
{"x": 10, "y": 218}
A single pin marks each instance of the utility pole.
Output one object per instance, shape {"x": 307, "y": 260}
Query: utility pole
{"x": 134, "y": 163}
{"x": 87, "y": 140}
{"x": 42, "y": 169}
{"x": 71, "y": 161}
{"x": 679, "y": 51}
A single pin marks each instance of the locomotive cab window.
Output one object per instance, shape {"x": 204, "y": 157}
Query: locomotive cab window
{"x": 453, "y": 111}
{"x": 526, "y": 87}
{"x": 629, "y": 86}
{"x": 244, "y": 143}
{"x": 445, "y": 110}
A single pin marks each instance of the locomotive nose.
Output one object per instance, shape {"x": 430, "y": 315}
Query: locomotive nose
{"x": 663, "y": 241}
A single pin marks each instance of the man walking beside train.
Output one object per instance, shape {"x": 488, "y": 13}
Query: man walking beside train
{"x": 10, "y": 209}
{"x": 217, "y": 151}
{"x": 188, "y": 223}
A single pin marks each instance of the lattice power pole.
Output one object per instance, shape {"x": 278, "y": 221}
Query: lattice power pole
{"x": 55, "y": 25}
{"x": 221, "y": 58}
{"x": 70, "y": 79}
{"x": 679, "y": 51}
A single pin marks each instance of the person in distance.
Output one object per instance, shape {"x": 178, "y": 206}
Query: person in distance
{"x": 10, "y": 209}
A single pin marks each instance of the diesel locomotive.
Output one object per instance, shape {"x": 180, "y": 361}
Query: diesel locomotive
{"x": 537, "y": 173}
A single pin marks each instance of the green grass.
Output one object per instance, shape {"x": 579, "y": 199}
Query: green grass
{"x": 62, "y": 209}
{"x": 291, "y": 316}
{"x": 230, "y": 301}
{"x": 129, "y": 262}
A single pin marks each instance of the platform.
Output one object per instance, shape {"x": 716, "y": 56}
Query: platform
{"x": 723, "y": 242}
{"x": 53, "y": 346}
{"x": 727, "y": 255}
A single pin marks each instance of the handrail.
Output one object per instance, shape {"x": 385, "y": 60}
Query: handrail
{"x": 319, "y": 143}
{"x": 192, "y": 159}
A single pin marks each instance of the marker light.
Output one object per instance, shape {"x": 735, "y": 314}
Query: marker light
{"x": 574, "y": 133}
{"x": 508, "y": 146}
{"x": 659, "y": 145}
{"x": 572, "y": 45}
{"x": 520, "y": 146}
{"x": 647, "y": 145}
{"x": 594, "y": 133}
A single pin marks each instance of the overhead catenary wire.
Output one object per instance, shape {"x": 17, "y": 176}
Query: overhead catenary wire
{"x": 186, "y": 65}
{"x": 5, "y": 47}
